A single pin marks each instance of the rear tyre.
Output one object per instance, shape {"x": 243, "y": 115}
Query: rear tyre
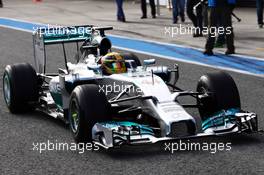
{"x": 20, "y": 87}
{"x": 131, "y": 56}
{"x": 222, "y": 94}
{"x": 88, "y": 105}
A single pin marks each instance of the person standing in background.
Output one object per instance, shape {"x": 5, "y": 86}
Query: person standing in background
{"x": 260, "y": 12}
{"x": 197, "y": 19}
{"x": 220, "y": 10}
{"x": 178, "y": 7}
{"x": 1, "y": 4}
{"x": 144, "y": 8}
{"x": 120, "y": 12}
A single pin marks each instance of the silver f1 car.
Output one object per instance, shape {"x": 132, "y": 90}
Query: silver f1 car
{"x": 138, "y": 106}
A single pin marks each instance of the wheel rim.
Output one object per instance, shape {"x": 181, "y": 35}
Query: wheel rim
{"x": 7, "y": 89}
{"x": 74, "y": 116}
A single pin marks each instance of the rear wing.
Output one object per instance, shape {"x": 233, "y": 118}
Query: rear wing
{"x": 61, "y": 35}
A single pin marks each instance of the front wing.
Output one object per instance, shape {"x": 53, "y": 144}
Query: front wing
{"x": 117, "y": 133}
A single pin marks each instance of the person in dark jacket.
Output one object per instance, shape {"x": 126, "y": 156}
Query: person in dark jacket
{"x": 120, "y": 12}
{"x": 197, "y": 19}
{"x": 144, "y": 8}
{"x": 220, "y": 10}
{"x": 1, "y": 4}
{"x": 260, "y": 12}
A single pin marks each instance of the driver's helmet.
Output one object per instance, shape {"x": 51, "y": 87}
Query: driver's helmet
{"x": 113, "y": 63}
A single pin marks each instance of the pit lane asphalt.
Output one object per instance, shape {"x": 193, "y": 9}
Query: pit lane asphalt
{"x": 18, "y": 132}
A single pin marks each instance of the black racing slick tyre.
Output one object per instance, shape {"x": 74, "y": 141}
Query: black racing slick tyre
{"x": 221, "y": 93}
{"x": 131, "y": 56}
{"x": 88, "y": 105}
{"x": 20, "y": 87}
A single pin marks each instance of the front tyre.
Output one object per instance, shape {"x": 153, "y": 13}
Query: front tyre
{"x": 88, "y": 105}
{"x": 20, "y": 87}
{"x": 220, "y": 91}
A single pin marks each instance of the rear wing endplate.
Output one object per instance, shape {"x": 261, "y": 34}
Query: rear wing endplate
{"x": 61, "y": 35}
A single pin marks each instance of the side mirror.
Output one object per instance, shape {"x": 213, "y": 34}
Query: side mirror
{"x": 95, "y": 67}
{"x": 131, "y": 64}
{"x": 149, "y": 62}
{"x": 103, "y": 43}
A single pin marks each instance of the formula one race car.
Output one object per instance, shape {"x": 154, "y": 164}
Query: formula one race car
{"x": 112, "y": 99}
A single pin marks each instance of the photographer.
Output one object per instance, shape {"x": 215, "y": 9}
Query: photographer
{"x": 197, "y": 20}
{"x": 220, "y": 10}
